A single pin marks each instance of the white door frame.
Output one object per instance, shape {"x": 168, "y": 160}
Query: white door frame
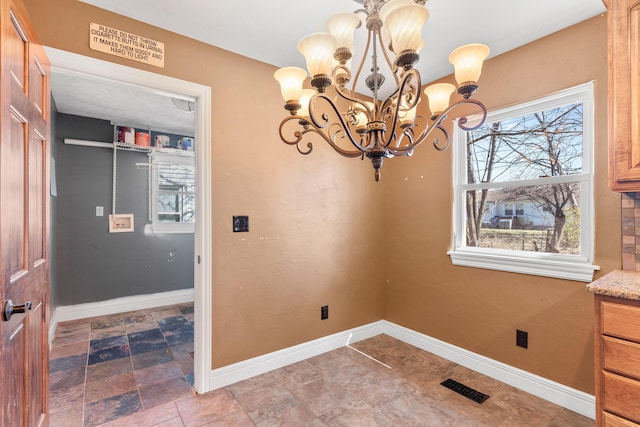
{"x": 71, "y": 63}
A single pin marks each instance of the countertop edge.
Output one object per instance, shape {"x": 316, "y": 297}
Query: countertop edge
{"x": 617, "y": 283}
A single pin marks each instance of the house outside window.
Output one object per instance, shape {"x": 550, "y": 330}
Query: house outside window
{"x": 172, "y": 185}
{"x": 523, "y": 188}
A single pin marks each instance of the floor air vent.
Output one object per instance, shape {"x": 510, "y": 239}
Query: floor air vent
{"x": 462, "y": 389}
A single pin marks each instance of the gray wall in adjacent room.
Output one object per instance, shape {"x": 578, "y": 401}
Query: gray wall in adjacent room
{"x": 93, "y": 264}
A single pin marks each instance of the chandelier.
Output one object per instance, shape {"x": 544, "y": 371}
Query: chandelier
{"x": 374, "y": 126}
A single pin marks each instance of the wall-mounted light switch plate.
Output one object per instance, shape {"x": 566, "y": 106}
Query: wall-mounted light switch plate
{"x": 99, "y": 211}
{"x": 240, "y": 223}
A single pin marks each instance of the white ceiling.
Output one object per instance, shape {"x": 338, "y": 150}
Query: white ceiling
{"x": 123, "y": 104}
{"x": 269, "y": 31}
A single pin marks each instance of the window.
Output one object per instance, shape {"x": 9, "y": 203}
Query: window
{"x": 172, "y": 192}
{"x": 508, "y": 209}
{"x": 533, "y": 160}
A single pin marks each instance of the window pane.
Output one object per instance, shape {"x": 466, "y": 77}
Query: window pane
{"x": 177, "y": 176}
{"x": 547, "y": 218}
{"x": 176, "y": 207}
{"x": 174, "y": 190}
{"x": 546, "y": 143}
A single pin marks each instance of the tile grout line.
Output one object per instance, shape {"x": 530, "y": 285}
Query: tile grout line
{"x": 133, "y": 369}
{"x": 86, "y": 373}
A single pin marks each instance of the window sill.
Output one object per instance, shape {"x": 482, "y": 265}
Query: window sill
{"x": 570, "y": 269}
{"x": 169, "y": 229}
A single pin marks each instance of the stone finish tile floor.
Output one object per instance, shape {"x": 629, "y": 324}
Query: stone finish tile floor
{"x": 135, "y": 369}
{"x": 108, "y": 367}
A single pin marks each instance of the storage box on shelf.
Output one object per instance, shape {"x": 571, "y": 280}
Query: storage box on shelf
{"x": 144, "y": 141}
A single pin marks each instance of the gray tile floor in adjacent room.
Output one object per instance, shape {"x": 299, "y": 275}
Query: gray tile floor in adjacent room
{"x": 136, "y": 369}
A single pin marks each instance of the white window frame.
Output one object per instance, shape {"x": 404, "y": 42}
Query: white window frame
{"x": 156, "y": 227}
{"x": 563, "y": 266}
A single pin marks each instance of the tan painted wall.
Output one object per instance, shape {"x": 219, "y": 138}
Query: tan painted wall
{"x": 477, "y": 309}
{"x": 316, "y": 225}
{"x": 315, "y": 240}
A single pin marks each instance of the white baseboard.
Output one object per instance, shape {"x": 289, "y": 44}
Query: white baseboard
{"x": 230, "y": 374}
{"x": 552, "y": 391}
{"x": 117, "y": 305}
{"x": 567, "y": 397}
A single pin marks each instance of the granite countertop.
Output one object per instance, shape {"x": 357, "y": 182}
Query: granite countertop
{"x": 618, "y": 283}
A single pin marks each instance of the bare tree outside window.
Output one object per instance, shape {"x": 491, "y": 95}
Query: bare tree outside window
{"x": 523, "y": 206}
{"x": 523, "y": 188}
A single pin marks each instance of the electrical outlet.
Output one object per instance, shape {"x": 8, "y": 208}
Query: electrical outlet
{"x": 324, "y": 312}
{"x": 99, "y": 210}
{"x": 522, "y": 338}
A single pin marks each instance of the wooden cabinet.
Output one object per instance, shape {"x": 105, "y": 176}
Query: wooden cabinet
{"x": 617, "y": 344}
{"x": 624, "y": 95}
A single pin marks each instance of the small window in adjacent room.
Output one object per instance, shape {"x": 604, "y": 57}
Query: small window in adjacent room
{"x": 172, "y": 193}
{"x": 523, "y": 188}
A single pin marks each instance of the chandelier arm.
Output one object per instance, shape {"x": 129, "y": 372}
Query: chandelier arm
{"x": 362, "y": 61}
{"x": 342, "y": 125}
{"x": 414, "y": 142}
{"x": 312, "y": 128}
{"x": 412, "y": 101}
{"x": 346, "y": 94}
{"x": 426, "y": 133}
{"x": 415, "y": 88}
{"x": 392, "y": 66}
{"x": 463, "y": 120}
{"x": 297, "y": 134}
{"x": 447, "y": 139}
{"x": 397, "y": 151}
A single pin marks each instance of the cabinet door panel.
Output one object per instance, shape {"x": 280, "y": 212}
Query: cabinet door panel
{"x": 621, "y": 396}
{"x": 621, "y": 356}
{"x": 624, "y": 95}
{"x": 622, "y": 321}
{"x": 613, "y": 421}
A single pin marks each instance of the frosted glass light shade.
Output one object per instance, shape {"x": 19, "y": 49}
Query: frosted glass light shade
{"x": 439, "y": 95}
{"x": 392, "y": 5}
{"x": 341, "y": 26}
{"x": 290, "y": 79}
{"x": 467, "y": 61}
{"x": 408, "y": 116}
{"x": 405, "y": 27}
{"x": 304, "y": 101}
{"x": 318, "y": 49}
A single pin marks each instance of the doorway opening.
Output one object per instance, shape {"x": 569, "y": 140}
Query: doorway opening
{"x": 71, "y": 64}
